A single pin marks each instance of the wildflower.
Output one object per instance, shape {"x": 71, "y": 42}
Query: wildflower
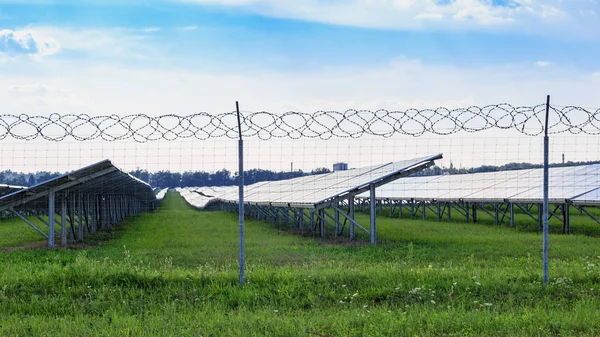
{"x": 355, "y": 294}
{"x": 432, "y": 302}
{"x": 487, "y": 304}
{"x": 343, "y": 286}
{"x": 477, "y": 283}
{"x": 275, "y": 310}
{"x": 366, "y": 305}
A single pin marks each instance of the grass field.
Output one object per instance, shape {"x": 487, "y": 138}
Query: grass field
{"x": 174, "y": 273}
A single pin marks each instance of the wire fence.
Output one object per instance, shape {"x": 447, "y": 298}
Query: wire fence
{"x": 527, "y": 120}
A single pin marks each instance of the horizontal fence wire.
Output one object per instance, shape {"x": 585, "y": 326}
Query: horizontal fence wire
{"x": 264, "y": 125}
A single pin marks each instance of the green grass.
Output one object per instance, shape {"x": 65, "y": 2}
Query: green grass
{"x": 174, "y": 272}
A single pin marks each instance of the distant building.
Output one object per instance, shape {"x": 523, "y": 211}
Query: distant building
{"x": 340, "y": 167}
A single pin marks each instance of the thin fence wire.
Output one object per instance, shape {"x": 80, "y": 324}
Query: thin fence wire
{"x": 527, "y": 120}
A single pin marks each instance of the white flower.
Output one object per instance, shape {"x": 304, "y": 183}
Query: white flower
{"x": 432, "y": 302}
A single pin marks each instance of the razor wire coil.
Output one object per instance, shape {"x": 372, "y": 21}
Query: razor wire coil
{"x": 528, "y": 120}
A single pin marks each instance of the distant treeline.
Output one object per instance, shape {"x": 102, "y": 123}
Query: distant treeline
{"x": 436, "y": 170}
{"x": 164, "y": 179}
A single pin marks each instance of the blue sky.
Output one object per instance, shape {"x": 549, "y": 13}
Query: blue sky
{"x": 161, "y": 56}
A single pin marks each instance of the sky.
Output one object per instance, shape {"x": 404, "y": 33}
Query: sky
{"x": 187, "y": 56}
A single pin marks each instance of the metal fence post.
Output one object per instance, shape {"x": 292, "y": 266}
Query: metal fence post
{"x": 545, "y": 211}
{"x": 241, "y": 192}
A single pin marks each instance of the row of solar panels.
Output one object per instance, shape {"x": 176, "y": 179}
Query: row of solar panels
{"x": 577, "y": 184}
{"x": 309, "y": 191}
{"x": 102, "y": 178}
{"x": 160, "y": 194}
{"x": 7, "y": 189}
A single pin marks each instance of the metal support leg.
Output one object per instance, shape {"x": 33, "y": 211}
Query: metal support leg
{"x": 496, "y": 214}
{"x": 51, "y": 204}
{"x": 511, "y": 206}
{"x": 566, "y": 219}
{"x": 351, "y": 214}
{"x": 80, "y": 217}
{"x": 337, "y": 223}
{"x": 373, "y": 217}
{"x": 322, "y": 222}
{"x": 400, "y": 209}
{"x": 540, "y": 217}
{"x": 63, "y": 220}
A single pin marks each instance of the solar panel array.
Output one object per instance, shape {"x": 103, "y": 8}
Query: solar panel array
{"x": 576, "y": 184}
{"x": 308, "y": 191}
{"x": 100, "y": 178}
{"x": 160, "y": 194}
{"x": 92, "y": 198}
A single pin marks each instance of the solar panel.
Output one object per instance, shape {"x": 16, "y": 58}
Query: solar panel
{"x": 91, "y": 198}
{"x": 160, "y": 194}
{"x": 565, "y": 183}
{"x": 6, "y": 189}
{"x": 310, "y": 191}
{"x": 99, "y": 178}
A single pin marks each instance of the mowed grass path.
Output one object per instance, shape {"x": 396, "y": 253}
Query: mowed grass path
{"x": 174, "y": 273}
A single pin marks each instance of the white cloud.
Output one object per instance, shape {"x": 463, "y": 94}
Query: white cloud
{"x": 533, "y": 15}
{"x": 543, "y": 64}
{"x": 190, "y": 28}
{"x": 109, "y": 42}
{"x": 150, "y": 29}
{"x": 14, "y": 43}
{"x": 39, "y": 96}
{"x": 405, "y": 83}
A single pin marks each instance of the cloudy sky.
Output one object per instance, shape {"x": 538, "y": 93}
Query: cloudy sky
{"x": 186, "y": 56}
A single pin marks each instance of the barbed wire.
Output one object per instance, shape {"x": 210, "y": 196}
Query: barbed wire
{"x": 528, "y": 120}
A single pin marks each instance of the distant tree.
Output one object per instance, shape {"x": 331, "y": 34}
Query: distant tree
{"x": 31, "y": 180}
{"x": 320, "y": 170}
{"x": 142, "y": 175}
